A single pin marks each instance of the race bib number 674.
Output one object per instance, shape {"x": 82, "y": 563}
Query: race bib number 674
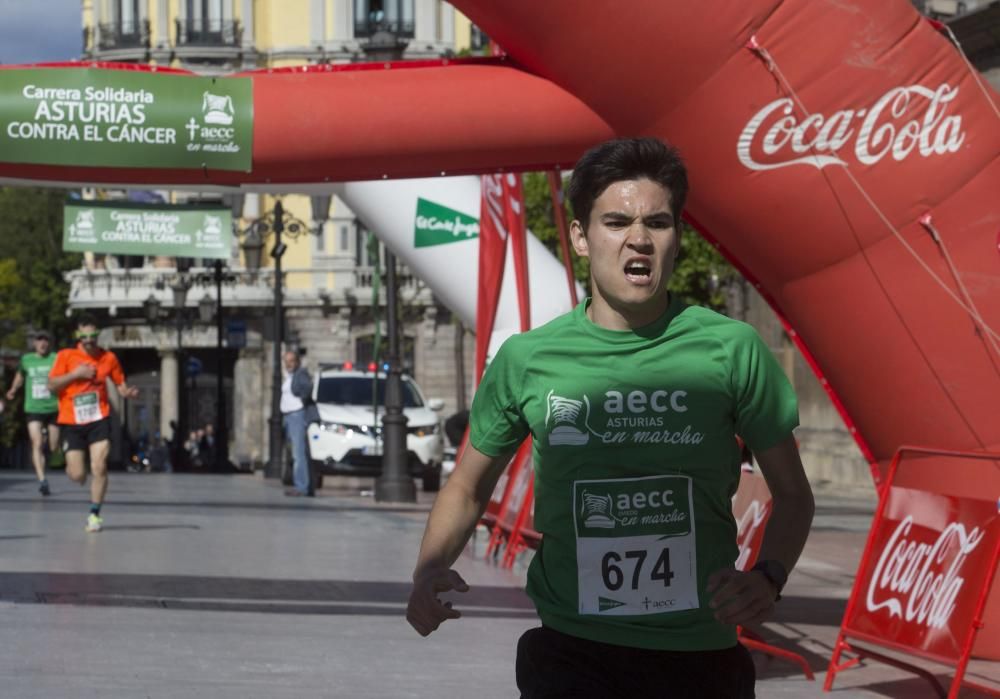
{"x": 635, "y": 545}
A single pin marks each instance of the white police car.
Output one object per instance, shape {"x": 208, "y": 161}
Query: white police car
{"x": 347, "y": 440}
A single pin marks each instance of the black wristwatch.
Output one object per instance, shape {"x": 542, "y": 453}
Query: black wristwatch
{"x": 775, "y": 572}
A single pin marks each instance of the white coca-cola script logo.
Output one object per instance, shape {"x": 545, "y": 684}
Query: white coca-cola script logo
{"x": 918, "y": 581}
{"x": 775, "y": 131}
{"x": 748, "y": 525}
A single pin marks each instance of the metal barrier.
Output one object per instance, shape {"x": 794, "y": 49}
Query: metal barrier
{"x": 910, "y": 593}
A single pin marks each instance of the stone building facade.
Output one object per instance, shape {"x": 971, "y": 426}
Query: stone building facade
{"x": 171, "y": 353}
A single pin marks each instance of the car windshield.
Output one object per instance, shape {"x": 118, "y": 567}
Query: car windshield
{"x": 357, "y": 390}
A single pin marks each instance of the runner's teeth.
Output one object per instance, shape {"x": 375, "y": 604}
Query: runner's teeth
{"x": 636, "y": 269}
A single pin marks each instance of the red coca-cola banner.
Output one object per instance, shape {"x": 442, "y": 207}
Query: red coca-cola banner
{"x": 918, "y": 588}
{"x": 927, "y": 570}
{"x": 513, "y": 198}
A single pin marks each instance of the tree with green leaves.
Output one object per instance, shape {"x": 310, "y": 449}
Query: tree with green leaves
{"x": 33, "y": 291}
{"x": 700, "y": 276}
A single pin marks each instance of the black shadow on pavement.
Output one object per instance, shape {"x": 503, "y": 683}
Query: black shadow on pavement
{"x": 334, "y": 597}
{"x": 301, "y": 505}
{"x": 150, "y": 527}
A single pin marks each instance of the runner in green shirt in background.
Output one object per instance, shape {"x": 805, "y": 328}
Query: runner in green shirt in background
{"x": 633, "y": 401}
{"x": 40, "y": 406}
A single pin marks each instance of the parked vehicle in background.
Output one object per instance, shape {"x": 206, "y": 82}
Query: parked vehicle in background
{"x": 946, "y": 9}
{"x": 347, "y": 439}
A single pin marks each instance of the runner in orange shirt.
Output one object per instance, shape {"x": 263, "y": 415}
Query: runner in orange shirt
{"x": 79, "y": 377}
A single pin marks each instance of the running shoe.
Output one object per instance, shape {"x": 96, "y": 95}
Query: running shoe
{"x": 94, "y": 523}
{"x": 43, "y": 488}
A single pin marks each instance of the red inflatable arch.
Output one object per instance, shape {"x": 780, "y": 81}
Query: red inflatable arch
{"x": 844, "y": 155}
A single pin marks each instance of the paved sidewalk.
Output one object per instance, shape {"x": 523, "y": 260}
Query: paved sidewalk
{"x": 222, "y": 587}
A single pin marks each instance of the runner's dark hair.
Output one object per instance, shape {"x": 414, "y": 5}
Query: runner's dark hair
{"x": 626, "y": 159}
{"x": 86, "y": 319}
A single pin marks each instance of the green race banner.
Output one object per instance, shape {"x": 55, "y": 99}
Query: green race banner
{"x": 116, "y": 118}
{"x": 437, "y": 225}
{"x": 122, "y": 228}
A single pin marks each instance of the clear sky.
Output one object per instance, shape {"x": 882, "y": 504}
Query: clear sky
{"x": 32, "y": 31}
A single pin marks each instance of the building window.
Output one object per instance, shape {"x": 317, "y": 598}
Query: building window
{"x": 478, "y": 40}
{"x": 206, "y": 24}
{"x": 393, "y": 16}
{"x": 204, "y": 12}
{"x": 321, "y": 240}
{"x": 126, "y": 12}
{"x": 126, "y": 29}
{"x": 345, "y": 239}
{"x": 361, "y": 256}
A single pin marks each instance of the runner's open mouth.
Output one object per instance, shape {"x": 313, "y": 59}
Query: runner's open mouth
{"x": 638, "y": 271}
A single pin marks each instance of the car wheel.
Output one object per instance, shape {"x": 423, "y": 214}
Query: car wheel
{"x": 431, "y": 480}
{"x": 316, "y": 474}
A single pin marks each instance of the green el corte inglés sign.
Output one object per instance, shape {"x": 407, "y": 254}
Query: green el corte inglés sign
{"x": 116, "y": 118}
{"x": 122, "y": 228}
{"x": 437, "y": 225}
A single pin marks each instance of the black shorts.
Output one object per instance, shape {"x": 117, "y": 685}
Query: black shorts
{"x": 553, "y": 665}
{"x": 80, "y": 437}
{"x": 44, "y": 418}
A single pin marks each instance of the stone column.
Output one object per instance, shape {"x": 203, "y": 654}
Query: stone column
{"x": 425, "y": 21}
{"x": 317, "y": 23}
{"x": 248, "y": 433}
{"x": 447, "y": 23}
{"x": 169, "y": 405}
{"x": 343, "y": 21}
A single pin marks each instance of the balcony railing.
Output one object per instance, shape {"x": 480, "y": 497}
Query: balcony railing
{"x": 123, "y": 35}
{"x": 129, "y": 288}
{"x": 365, "y": 28}
{"x": 199, "y": 31}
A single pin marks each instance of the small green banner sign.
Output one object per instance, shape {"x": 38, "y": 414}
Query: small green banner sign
{"x": 121, "y": 228}
{"x": 438, "y": 225}
{"x": 121, "y": 118}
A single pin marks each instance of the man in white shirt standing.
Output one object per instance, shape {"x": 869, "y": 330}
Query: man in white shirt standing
{"x": 296, "y": 395}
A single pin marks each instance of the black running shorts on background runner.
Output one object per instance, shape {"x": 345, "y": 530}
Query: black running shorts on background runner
{"x": 76, "y": 437}
{"x": 44, "y": 418}
{"x": 554, "y": 665}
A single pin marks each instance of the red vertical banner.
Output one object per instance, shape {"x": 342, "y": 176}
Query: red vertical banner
{"x": 492, "y": 259}
{"x": 751, "y": 510}
{"x": 513, "y": 199}
{"x": 559, "y": 214}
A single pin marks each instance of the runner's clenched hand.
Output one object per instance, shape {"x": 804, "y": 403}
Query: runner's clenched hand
{"x": 86, "y": 370}
{"x": 426, "y": 611}
{"x": 740, "y": 597}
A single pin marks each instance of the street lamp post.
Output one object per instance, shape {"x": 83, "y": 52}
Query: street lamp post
{"x": 395, "y": 483}
{"x": 222, "y": 419}
{"x": 278, "y": 222}
{"x": 180, "y": 288}
{"x": 276, "y": 441}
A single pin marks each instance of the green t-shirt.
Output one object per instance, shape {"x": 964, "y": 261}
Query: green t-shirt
{"x": 37, "y": 396}
{"x": 636, "y": 464}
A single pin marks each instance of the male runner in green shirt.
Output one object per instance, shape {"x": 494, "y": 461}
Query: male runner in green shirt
{"x": 40, "y": 406}
{"x": 634, "y": 401}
